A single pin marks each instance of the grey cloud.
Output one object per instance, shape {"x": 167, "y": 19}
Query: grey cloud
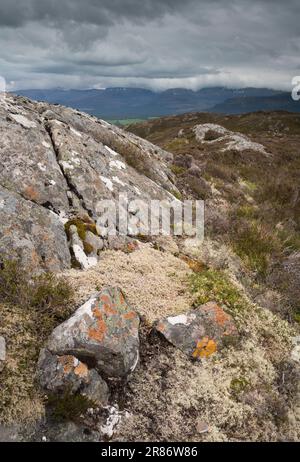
{"x": 16, "y": 13}
{"x": 152, "y": 43}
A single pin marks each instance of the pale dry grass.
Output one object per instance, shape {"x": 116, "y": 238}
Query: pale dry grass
{"x": 155, "y": 283}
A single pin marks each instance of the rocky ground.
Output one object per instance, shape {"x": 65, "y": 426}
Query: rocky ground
{"x": 147, "y": 339}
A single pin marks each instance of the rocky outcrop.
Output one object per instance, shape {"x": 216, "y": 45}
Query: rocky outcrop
{"x": 102, "y": 333}
{"x": 56, "y": 164}
{"x": 200, "y": 332}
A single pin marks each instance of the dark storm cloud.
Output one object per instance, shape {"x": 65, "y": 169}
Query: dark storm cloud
{"x": 101, "y": 12}
{"x": 152, "y": 43}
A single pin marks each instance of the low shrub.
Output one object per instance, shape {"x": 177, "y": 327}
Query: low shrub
{"x": 68, "y": 406}
{"x": 214, "y": 285}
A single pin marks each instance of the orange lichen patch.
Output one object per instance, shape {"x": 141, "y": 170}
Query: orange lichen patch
{"x": 67, "y": 363}
{"x": 81, "y": 370}
{"x": 122, "y": 298}
{"x": 220, "y": 316}
{"x": 108, "y": 305}
{"x": 161, "y": 327}
{"x": 205, "y": 348}
{"x": 31, "y": 193}
{"x": 109, "y": 309}
{"x": 194, "y": 265}
{"x": 130, "y": 315}
{"x": 131, "y": 247}
{"x": 99, "y": 332}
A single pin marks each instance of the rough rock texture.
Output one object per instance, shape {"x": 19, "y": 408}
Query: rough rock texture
{"x": 57, "y": 163}
{"x": 2, "y": 353}
{"x": 200, "y": 332}
{"x": 31, "y": 233}
{"x": 58, "y": 374}
{"x": 103, "y": 331}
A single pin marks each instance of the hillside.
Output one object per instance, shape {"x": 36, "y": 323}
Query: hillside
{"x": 242, "y": 105}
{"x": 138, "y": 337}
{"x": 124, "y": 103}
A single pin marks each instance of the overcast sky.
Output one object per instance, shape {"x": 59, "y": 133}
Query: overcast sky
{"x": 155, "y": 44}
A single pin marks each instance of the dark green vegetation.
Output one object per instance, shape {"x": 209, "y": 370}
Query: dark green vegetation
{"x": 68, "y": 406}
{"x": 46, "y": 294}
{"x": 259, "y": 214}
{"x": 30, "y": 307}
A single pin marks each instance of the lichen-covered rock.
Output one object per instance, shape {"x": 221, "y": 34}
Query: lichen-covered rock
{"x": 58, "y": 374}
{"x": 105, "y": 330}
{"x": 33, "y": 234}
{"x": 200, "y": 332}
{"x": 57, "y": 164}
{"x": 2, "y": 353}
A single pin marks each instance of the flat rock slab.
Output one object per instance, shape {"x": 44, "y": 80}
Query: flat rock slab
{"x": 200, "y": 332}
{"x": 102, "y": 333}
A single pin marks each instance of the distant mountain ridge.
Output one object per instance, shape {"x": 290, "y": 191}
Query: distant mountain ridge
{"x": 123, "y": 102}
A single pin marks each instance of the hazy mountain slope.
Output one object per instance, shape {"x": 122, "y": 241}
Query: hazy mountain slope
{"x": 118, "y": 103}
{"x": 240, "y": 105}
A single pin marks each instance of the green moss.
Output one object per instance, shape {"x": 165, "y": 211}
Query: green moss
{"x": 68, "y": 406}
{"x": 238, "y": 385}
{"x": 214, "y": 285}
{"x": 80, "y": 225}
{"x": 297, "y": 317}
{"x": 88, "y": 248}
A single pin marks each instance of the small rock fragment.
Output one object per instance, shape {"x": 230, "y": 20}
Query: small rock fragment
{"x": 2, "y": 353}
{"x": 200, "y": 332}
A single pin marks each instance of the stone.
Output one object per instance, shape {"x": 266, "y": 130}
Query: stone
{"x": 32, "y": 234}
{"x": 202, "y": 427}
{"x": 95, "y": 241}
{"x": 194, "y": 170}
{"x": 104, "y": 330}
{"x": 2, "y": 353}
{"x": 57, "y": 163}
{"x": 97, "y": 389}
{"x": 200, "y": 332}
{"x": 77, "y": 247}
{"x": 295, "y": 354}
{"x": 58, "y": 374}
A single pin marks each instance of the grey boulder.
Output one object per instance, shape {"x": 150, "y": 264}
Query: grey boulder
{"x": 104, "y": 332}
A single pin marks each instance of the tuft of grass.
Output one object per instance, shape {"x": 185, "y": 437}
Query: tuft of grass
{"x": 177, "y": 194}
{"x": 214, "y": 285}
{"x": 45, "y": 293}
{"x": 68, "y": 406}
{"x": 175, "y": 144}
{"x": 255, "y": 245}
{"x": 177, "y": 169}
{"x": 297, "y": 317}
{"x": 247, "y": 211}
